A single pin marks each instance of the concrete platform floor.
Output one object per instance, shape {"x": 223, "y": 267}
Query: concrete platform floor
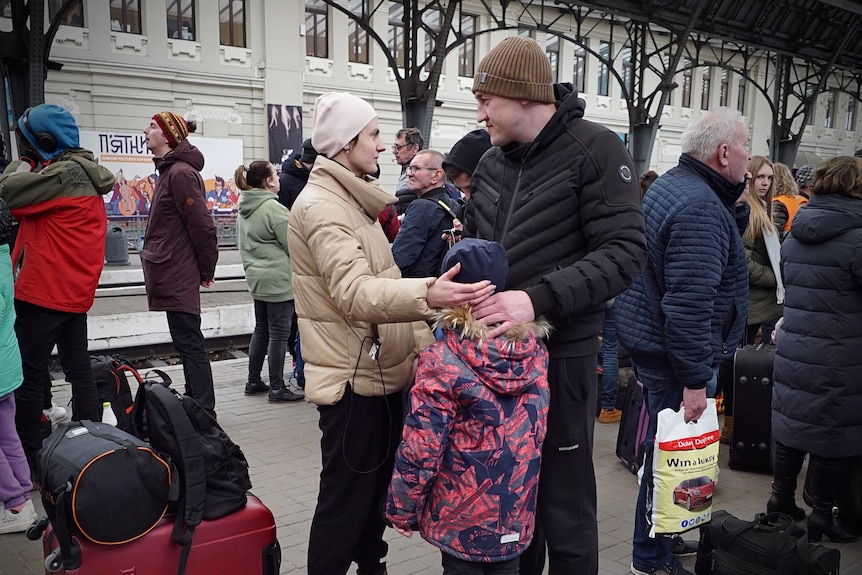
{"x": 281, "y": 443}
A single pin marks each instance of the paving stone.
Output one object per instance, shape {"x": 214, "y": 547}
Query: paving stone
{"x": 281, "y": 443}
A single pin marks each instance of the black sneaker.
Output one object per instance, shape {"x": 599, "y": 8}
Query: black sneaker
{"x": 283, "y": 394}
{"x": 682, "y": 547}
{"x": 670, "y": 570}
{"x": 254, "y": 388}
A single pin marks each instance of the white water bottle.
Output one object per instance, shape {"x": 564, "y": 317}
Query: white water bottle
{"x": 108, "y": 415}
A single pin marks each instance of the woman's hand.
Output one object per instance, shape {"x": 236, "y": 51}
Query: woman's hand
{"x": 446, "y": 293}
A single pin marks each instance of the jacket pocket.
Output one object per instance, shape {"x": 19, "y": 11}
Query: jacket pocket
{"x": 159, "y": 255}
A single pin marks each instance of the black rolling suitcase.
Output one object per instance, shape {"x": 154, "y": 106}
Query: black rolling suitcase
{"x": 633, "y": 427}
{"x": 751, "y": 440}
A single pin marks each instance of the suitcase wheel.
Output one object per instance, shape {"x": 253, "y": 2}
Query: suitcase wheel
{"x": 54, "y": 562}
{"x": 634, "y": 467}
{"x": 35, "y": 531}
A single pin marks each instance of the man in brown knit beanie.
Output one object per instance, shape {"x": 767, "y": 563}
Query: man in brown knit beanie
{"x": 560, "y": 193}
{"x": 180, "y": 247}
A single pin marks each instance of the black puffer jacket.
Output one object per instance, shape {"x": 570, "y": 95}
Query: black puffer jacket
{"x": 5, "y": 224}
{"x": 292, "y": 177}
{"x": 817, "y": 399}
{"x": 567, "y": 208}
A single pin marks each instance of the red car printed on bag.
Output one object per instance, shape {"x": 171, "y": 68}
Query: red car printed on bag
{"x": 694, "y": 493}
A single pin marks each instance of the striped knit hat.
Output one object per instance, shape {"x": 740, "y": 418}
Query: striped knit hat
{"x": 174, "y": 127}
{"x": 516, "y": 68}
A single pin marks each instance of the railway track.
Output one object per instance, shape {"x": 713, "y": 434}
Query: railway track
{"x": 163, "y": 354}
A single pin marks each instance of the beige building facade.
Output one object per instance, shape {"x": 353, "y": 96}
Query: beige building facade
{"x": 221, "y": 62}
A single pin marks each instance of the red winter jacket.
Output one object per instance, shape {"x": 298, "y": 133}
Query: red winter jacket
{"x": 467, "y": 470}
{"x": 60, "y": 248}
{"x": 390, "y": 223}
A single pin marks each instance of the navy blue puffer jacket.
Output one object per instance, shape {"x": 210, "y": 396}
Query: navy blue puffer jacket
{"x": 687, "y": 310}
{"x": 817, "y": 399}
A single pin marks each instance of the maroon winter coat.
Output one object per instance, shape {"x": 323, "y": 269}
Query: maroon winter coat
{"x": 181, "y": 246}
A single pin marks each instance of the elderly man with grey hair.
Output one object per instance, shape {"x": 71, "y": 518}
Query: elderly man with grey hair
{"x": 686, "y": 312}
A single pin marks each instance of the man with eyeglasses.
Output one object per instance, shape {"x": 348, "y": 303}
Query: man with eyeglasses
{"x": 418, "y": 249}
{"x": 408, "y": 142}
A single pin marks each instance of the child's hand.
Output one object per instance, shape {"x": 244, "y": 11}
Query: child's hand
{"x": 405, "y": 531}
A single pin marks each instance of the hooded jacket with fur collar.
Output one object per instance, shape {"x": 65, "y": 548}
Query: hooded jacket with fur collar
{"x": 349, "y": 292}
{"x": 467, "y": 470}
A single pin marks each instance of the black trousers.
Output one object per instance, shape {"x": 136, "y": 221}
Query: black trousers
{"x": 360, "y": 435}
{"x": 189, "y": 341}
{"x": 566, "y": 518}
{"x": 455, "y": 566}
{"x": 38, "y": 330}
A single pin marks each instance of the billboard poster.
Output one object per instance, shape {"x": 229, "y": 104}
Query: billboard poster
{"x": 285, "y": 131}
{"x": 128, "y": 204}
{"x": 127, "y": 156}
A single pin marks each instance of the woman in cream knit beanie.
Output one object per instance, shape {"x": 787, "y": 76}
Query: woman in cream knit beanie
{"x": 339, "y": 118}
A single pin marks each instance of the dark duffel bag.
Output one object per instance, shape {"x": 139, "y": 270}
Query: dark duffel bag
{"x": 769, "y": 545}
{"x": 103, "y": 484}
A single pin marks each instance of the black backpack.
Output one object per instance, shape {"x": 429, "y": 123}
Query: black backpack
{"x": 112, "y": 385}
{"x": 212, "y": 468}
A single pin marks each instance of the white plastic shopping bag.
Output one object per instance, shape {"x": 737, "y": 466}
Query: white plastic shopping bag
{"x": 685, "y": 463}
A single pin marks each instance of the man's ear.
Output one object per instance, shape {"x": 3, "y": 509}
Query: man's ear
{"x": 723, "y": 153}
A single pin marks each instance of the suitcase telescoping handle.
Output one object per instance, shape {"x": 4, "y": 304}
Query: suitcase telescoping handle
{"x": 70, "y": 549}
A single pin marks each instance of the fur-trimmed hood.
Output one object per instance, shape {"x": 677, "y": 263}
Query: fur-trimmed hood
{"x": 460, "y": 319}
{"x": 504, "y": 363}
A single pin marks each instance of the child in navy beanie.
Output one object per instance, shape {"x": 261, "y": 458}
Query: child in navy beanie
{"x": 473, "y": 435}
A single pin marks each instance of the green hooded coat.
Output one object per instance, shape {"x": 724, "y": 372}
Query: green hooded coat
{"x": 261, "y": 233}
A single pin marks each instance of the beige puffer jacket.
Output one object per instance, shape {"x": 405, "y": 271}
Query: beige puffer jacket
{"x": 347, "y": 287}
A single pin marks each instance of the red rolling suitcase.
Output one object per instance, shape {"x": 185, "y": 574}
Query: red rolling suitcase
{"x": 242, "y": 542}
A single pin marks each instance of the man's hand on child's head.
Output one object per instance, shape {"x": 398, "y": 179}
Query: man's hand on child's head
{"x": 504, "y": 310}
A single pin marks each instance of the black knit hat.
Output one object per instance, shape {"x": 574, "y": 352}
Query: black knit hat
{"x": 309, "y": 154}
{"x": 516, "y": 68}
{"x": 466, "y": 153}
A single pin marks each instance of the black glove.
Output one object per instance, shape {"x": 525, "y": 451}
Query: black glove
{"x": 31, "y": 157}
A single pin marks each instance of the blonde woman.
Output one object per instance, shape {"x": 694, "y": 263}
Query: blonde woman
{"x": 787, "y": 200}
{"x": 762, "y": 252}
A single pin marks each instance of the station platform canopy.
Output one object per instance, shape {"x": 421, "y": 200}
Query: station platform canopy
{"x": 825, "y": 32}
